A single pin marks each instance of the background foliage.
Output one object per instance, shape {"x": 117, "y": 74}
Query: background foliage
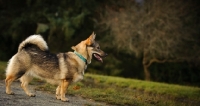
{"x": 161, "y": 37}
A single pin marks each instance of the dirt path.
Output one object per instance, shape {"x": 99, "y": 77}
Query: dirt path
{"x": 41, "y": 99}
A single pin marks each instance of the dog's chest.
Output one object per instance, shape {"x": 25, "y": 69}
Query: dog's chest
{"x": 79, "y": 76}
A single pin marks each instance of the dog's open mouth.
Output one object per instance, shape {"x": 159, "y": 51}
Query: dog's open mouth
{"x": 98, "y": 57}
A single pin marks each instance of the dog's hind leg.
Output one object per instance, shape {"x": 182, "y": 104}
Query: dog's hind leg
{"x": 12, "y": 73}
{"x": 64, "y": 85}
{"x": 25, "y": 79}
{"x": 9, "y": 79}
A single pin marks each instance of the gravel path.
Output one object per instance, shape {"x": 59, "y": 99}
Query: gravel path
{"x": 42, "y": 98}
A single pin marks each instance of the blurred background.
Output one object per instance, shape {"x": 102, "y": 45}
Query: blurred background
{"x": 157, "y": 40}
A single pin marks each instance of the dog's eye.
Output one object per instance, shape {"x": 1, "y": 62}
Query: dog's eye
{"x": 98, "y": 47}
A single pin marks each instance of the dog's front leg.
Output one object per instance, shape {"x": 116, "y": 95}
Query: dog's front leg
{"x": 58, "y": 92}
{"x": 63, "y": 89}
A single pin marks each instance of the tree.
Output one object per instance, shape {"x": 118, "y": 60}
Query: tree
{"x": 57, "y": 21}
{"x": 156, "y": 30}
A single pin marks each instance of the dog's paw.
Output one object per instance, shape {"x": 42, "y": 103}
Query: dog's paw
{"x": 31, "y": 95}
{"x": 58, "y": 97}
{"x": 10, "y": 93}
{"x": 65, "y": 99}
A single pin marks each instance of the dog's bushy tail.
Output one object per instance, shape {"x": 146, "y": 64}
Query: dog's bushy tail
{"x": 35, "y": 40}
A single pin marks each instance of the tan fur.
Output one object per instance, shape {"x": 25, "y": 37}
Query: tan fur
{"x": 34, "y": 60}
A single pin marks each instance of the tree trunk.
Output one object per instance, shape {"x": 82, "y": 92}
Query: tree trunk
{"x": 147, "y": 75}
{"x": 146, "y": 63}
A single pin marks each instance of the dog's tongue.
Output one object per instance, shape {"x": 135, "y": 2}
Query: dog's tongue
{"x": 98, "y": 57}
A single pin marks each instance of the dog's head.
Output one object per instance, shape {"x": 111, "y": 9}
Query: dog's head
{"x": 90, "y": 48}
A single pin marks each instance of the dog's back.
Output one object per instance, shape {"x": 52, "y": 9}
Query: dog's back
{"x": 34, "y": 60}
{"x": 22, "y": 60}
{"x": 20, "y": 63}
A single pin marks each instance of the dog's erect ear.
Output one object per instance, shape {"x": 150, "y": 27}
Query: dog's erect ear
{"x": 91, "y": 39}
{"x": 74, "y": 48}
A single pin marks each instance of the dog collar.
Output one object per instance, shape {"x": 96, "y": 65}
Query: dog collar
{"x": 81, "y": 57}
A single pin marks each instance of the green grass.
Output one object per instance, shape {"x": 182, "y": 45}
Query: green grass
{"x": 123, "y": 91}
{"x": 170, "y": 89}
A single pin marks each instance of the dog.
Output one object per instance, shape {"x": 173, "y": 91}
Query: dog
{"x": 33, "y": 59}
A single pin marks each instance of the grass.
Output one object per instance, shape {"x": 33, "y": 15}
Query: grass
{"x": 122, "y": 91}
